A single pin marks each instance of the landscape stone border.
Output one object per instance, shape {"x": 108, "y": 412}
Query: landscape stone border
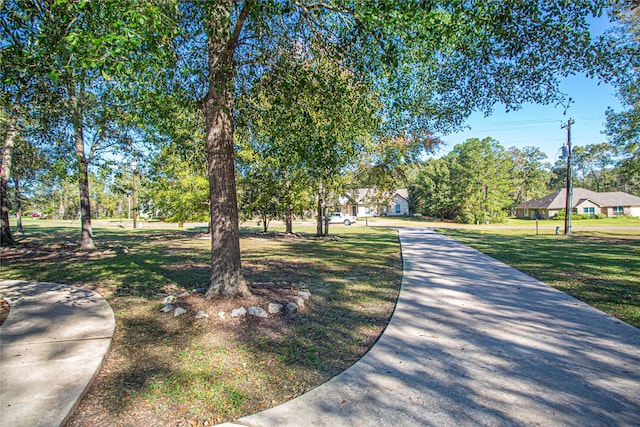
{"x": 296, "y": 305}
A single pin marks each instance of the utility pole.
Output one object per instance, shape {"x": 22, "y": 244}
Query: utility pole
{"x": 568, "y": 211}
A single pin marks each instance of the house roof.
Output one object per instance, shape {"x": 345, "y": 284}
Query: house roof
{"x": 403, "y": 192}
{"x": 581, "y": 201}
{"x": 367, "y": 195}
{"x": 557, "y": 199}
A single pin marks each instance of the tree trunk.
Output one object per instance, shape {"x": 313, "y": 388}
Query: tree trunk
{"x": 319, "y": 221}
{"x": 265, "y": 222}
{"x": 19, "y": 228}
{"x": 86, "y": 242}
{"x": 61, "y": 209}
{"x": 226, "y": 270}
{"x": 596, "y": 180}
{"x": 288, "y": 214}
{"x": 288, "y": 218}
{"x": 6, "y": 239}
{"x": 326, "y": 221}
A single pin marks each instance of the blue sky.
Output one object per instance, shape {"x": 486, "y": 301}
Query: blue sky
{"x": 540, "y": 125}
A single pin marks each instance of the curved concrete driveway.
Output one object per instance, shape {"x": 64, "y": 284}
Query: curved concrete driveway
{"x": 475, "y": 342}
{"x": 51, "y": 346}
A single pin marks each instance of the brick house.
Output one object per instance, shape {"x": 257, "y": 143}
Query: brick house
{"x": 585, "y": 202}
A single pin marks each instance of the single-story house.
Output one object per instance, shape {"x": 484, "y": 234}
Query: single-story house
{"x": 374, "y": 202}
{"x": 585, "y": 202}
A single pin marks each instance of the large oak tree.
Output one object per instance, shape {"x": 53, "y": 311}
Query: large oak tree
{"x": 433, "y": 62}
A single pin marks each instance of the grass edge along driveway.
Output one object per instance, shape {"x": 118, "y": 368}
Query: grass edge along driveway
{"x": 599, "y": 267}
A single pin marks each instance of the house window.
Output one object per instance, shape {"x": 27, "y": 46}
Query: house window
{"x": 397, "y": 208}
{"x": 367, "y": 210}
{"x": 618, "y": 210}
{"x": 590, "y": 211}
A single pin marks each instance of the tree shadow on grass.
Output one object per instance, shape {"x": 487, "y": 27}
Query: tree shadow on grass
{"x": 348, "y": 283}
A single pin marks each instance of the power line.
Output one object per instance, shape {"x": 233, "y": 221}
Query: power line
{"x": 527, "y": 124}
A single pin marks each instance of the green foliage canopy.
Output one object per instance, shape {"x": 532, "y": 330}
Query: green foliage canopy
{"x": 471, "y": 184}
{"x": 623, "y": 127}
{"x": 530, "y": 175}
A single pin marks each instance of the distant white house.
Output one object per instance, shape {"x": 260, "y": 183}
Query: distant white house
{"x": 364, "y": 202}
{"x": 585, "y": 202}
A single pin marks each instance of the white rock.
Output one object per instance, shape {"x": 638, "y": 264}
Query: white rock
{"x": 238, "y": 312}
{"x": 179, "y": 312}
{"x": 201, "y": 315}
{"x": 281, "y": 283}
{"x": 257, "y": 311}
{"x": 292, "y": 307}
{"x": 169, "y": 299}
{"x": 274, "y": 307}
{"x": 166, "y": 308}
{"x": 221, "y": 314}
{"x": 298, "y": 300}
{"x": 305, "y": 295}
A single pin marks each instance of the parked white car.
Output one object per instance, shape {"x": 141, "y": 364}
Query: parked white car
{"x": 340, "y": 218}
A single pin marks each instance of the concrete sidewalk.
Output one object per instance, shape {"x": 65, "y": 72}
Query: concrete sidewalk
{"x": 475, "y": 342}
{"x": 51, "y": 346}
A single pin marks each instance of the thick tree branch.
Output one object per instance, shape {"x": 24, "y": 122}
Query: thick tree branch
{"x": 233, "y": 40}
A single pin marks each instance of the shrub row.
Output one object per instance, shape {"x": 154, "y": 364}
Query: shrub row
{"x": 560, "y": 215}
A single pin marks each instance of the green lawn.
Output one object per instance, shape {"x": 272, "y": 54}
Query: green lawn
{"x": 591, "y": 222}
{"x": 600, "y": 267}
{"x": 509, "y": 222}
{"x": 164, "y": 370}
{"x": 182, "y": 371}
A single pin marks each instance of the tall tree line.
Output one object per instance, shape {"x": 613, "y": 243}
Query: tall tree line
{"x": 480, "y": 181}
{"x": 472, "y": 184}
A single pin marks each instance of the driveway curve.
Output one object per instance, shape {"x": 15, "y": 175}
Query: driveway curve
{"x": 51, "y": 347}
{"x": 475, "y": 342}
